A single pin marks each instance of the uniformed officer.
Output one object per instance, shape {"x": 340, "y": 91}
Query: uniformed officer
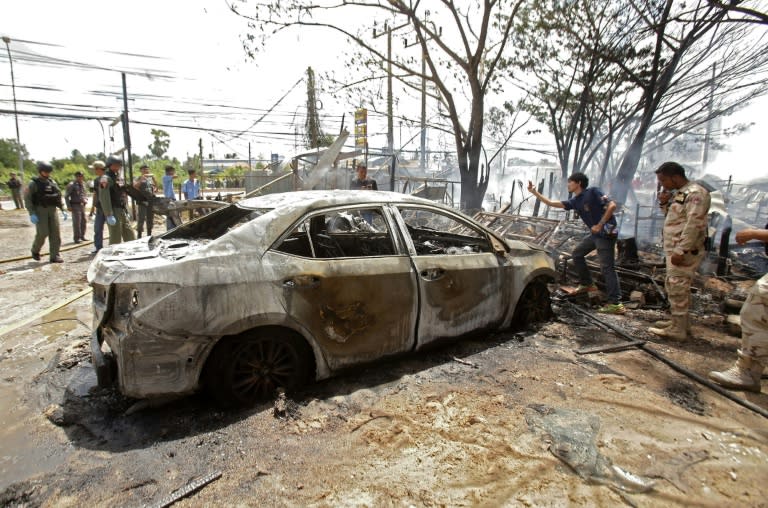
{"x": 752, "y": 359}
{"x": 42, "y": 198}
{"x": 685, "y": 232}
{"x": 76, "y": 199}
{"x": 114, "y": 202}
{"x": 145, "y": 183}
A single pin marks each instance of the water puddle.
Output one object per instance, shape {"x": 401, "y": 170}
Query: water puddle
{"x": 29, "y": 354}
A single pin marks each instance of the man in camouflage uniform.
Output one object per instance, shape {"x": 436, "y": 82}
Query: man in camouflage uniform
{"x": 113, "y": 203}
{"x": 752, "y": 358}
{"x": 76, "y": 199}
{"x": 15, "y": 185}
{"x": 685, "y": 231}
{"x": 145, "y": 183}
{"x": 42, "y": 198}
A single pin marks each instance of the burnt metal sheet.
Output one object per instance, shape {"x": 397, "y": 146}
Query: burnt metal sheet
{"x": 534, "y": 230}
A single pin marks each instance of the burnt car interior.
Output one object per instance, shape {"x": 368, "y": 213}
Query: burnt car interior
{"x": 434, "y": 234}
{"x": 212, "y": 225}
{"x": 337, "y": 234}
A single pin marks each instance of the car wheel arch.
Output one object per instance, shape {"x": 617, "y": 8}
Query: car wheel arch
{"x": 225, "y": 359}
{"x": 533, "y": 303}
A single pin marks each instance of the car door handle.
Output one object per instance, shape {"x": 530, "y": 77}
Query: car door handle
{"x": 432, "y": 273}
{"x": 302, "y": 281}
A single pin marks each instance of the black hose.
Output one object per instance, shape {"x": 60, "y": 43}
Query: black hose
{"x": 675, "y": 366}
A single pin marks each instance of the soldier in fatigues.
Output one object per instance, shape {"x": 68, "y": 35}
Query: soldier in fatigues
{"x": 76, "y": 199}
{"x": 145, "y": 183}
{"x": 42, "y": 198}
{"x": 113, "y": 203}
{"x": 752, "y": 358}
{"x": 685, "y": 232}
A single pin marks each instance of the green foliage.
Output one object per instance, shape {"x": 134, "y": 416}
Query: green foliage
{"x": 9, "y": 154}
{"x": 191, "y": 163}
{"x": 314, "y": 136}
{"x": 160, "y": 145}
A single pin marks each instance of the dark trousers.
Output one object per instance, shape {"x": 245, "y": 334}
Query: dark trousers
{"x": 146, "y": 215}
{"x": 17, "y": 198}
{"x": 606, "y": 254}
{"x": 78, "y": 222}
{"x": 98, "y": 229}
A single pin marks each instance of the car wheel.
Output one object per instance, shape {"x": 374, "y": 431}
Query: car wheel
{"x": 244, "y": 370}
{"x": 534, "y": 305}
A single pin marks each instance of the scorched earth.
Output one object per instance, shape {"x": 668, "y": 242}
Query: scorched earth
{"x": 509, "y": 419}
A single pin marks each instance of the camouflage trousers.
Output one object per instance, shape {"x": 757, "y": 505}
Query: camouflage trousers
{"x": 754, "y": 322}
{"x": 678, "y": 283}
{"x": 121, "y": 231}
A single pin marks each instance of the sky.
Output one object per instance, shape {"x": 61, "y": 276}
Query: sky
{"x": 191, "y": 71}
{"x": 186, "y": 67}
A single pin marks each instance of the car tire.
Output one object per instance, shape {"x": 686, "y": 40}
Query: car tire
{"x": 534, "y": 305}
{"x": 244, "y": 370}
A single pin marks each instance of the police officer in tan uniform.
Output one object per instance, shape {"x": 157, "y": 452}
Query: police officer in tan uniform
{"x": 685, "y": 231}
{"x": 752, "y": 358}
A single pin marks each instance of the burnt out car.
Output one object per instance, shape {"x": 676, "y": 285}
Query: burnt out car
{"x": 279, "y": 290}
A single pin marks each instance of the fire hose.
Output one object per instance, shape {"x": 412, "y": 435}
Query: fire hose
{"x": 675, "y": 366}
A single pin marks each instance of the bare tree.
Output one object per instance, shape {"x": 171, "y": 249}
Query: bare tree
{"x": 640, "y": 70}
{"x": 462, "y": 46}
{"x": 576, "y": 93}
{"x": 738, "y": 11}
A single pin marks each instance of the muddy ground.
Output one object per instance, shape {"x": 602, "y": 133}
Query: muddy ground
{"x": 510, "y": 419}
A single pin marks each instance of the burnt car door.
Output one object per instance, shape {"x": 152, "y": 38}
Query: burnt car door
{"x": 348, "y": 281}
{"x": 461, "y": 274}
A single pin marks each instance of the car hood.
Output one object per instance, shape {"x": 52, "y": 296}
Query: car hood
{"x": 133, "y": 261}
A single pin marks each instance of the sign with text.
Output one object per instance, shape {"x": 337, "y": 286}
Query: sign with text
{"x": 361, "y": 127}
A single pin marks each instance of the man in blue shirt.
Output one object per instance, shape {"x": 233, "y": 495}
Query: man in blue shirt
{"x": 596, "y": 210}
{"x": 191, "y": 189}
{"x": 170, "y": 174}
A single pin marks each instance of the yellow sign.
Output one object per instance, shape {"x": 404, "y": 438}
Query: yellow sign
{"x": 361, "y": 127}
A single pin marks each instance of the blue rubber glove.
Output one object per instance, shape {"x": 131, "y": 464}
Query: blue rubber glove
{"x": 111, "y": 220}
{"x": 33, "y": 218}
{"x": 64, "y": 215}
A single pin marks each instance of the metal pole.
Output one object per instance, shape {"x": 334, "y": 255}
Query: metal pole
{"x": 202, "y": 172}
{"x": 390, "y": 127}
{"x": 422, "y": 161}
{"x": 7, "y": 41}
{"x": 390, "y": 123}
{"x": 127, "y": 131}
{"x": 708, "y": 135}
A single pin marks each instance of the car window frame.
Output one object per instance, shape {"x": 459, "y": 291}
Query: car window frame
{"x": 393, "y": 230}
{"x": 492, "y": 240}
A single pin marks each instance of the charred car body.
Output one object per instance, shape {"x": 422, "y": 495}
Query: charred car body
{"x": 282, "y": 289}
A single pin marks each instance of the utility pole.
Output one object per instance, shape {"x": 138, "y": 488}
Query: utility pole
{"x": 126, "y": 131}
{"x": 202, "y": 172}
{"x": 423, "y": 151}
{"x": 708, "y": 133}
{"x": 7, "y": 41}
{"x": 390, "y": 113}
{"x": 390, "y": 123}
